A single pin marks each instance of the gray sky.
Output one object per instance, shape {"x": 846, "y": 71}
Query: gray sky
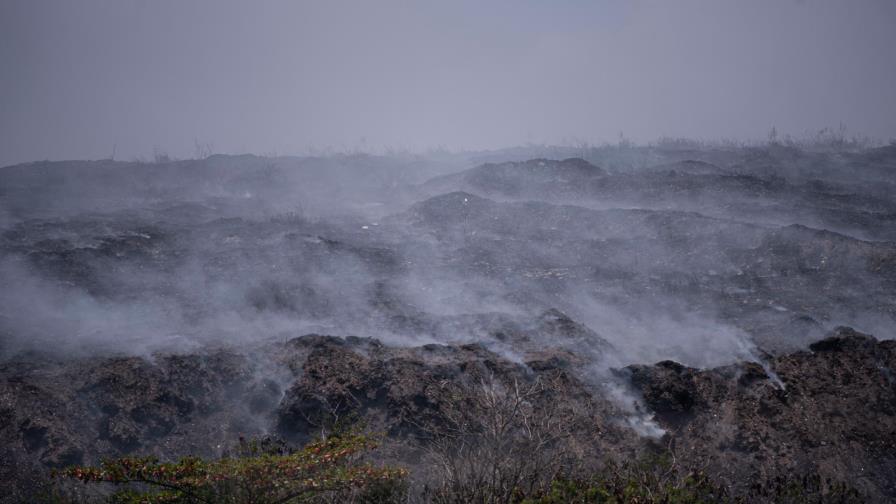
{"x": 281, "y": 77}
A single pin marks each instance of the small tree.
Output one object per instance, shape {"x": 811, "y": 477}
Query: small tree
{"x": 328, "y": 470}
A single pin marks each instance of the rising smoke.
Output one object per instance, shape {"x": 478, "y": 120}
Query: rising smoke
{"x": 706, "y": 257}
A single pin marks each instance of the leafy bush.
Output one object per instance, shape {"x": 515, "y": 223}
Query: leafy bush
{"x": 327, "y": 470}
{"x": 654, "y": 480}
{"x": 808, "y": 489}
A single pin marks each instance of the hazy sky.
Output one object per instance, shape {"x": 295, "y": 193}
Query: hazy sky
{"x": 282, "y": 77}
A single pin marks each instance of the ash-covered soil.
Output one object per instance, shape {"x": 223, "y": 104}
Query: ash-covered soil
{"x": 835, "y": 415}
{"x": 716, "y": 302}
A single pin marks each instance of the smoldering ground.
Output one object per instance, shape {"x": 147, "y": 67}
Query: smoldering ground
{"x": 694, "y": 258}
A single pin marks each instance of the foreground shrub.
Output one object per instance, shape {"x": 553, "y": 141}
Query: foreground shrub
{"x": 499, "y": 440}
{"x": 328, "y": 470}
{"x": 514, "y": 443}
{"x": 656, "y": 480}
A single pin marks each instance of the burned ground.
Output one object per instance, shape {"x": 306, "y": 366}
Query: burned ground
{"x": 696, "y": 299}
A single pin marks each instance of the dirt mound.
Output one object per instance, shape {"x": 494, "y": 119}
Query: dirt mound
{"x": 835, "y": 414}
{"x": 830, "y": 410}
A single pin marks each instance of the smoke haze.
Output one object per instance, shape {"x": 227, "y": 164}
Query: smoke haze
{"x": 707, "y": 255}
{"x": 702, "y": 252}
{"x": 673, "y": 223}
{"x": 84, "y": 80}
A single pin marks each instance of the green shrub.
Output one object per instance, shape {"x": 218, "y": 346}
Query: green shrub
{"x": 655, "y": 480}
{"x": 328, "y": 470}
